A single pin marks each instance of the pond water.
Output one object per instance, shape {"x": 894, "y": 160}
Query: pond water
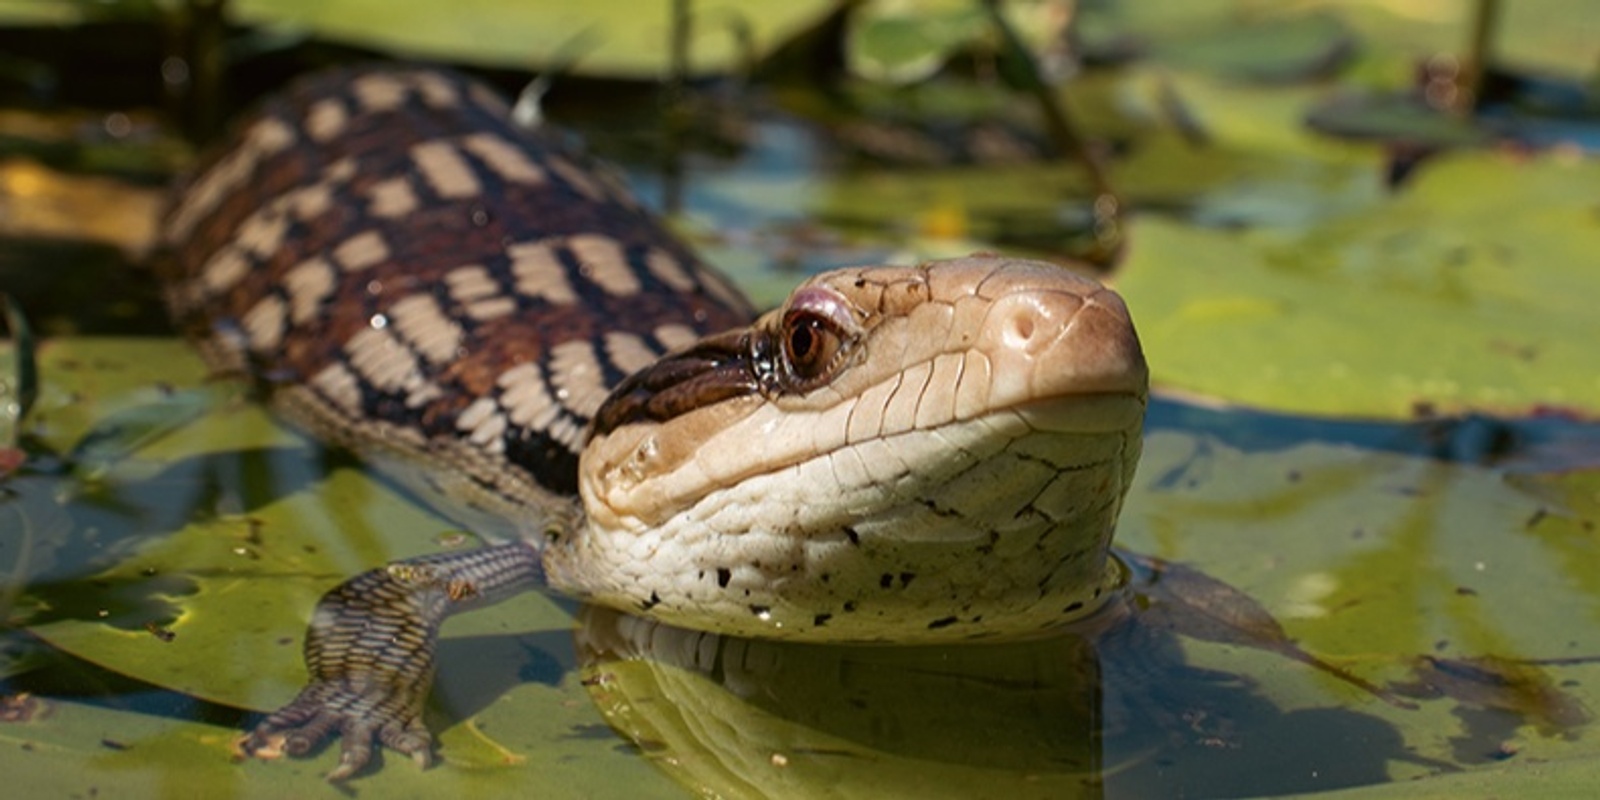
{"x": 1372, "y": 601}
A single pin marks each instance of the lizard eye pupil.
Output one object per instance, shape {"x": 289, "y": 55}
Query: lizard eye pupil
{"x": 810, "y": 345}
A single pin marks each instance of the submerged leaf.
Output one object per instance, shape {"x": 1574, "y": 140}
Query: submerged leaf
{"x": 34, "y": 527}
{"x": 121, "y": 434}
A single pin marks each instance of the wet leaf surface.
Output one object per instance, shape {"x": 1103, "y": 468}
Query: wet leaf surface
{"x": 1404, "y": 573}
{"x": 1463, "y": 293}
{"x": 909, "y": 42}
{"x": 1269, "y": 49}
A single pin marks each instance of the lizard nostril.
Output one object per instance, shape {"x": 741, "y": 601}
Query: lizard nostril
{"x": 1020, "y": 328}
{"x": 1023, "y": 327}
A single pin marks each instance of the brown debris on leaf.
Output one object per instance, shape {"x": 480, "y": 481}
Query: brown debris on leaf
{"x": 22, "y": 707}
{"x": 272, "y": 748}
{"x": 1501, "y": 684}
{"x": 1188, "y": 602}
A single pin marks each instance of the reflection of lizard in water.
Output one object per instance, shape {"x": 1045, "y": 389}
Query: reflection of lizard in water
{"x": 1108, "y": 709}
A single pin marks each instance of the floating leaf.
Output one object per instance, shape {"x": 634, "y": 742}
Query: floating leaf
{"x": 256, "y": 534}
{"x": 1360, "y": 551}
{"x": 1466, "y": 292}
{"x": 1393, "y": 117}
{"x": 1520, "y": 109}
{"x": 629, "y": 39}
{"x": 906, "y": 43}
{"x": 74, "y": 749}
{"x": 1270, "y": 49}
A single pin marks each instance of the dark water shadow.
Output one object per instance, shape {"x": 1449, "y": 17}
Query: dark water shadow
{"x": 66, "y": 533}
{"x": 80, "y": 288}
{"x": 1535, "y": 443}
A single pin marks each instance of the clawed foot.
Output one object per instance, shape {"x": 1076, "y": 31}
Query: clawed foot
{"x": 360, "y": 715}
{"x": 370, "y": 652}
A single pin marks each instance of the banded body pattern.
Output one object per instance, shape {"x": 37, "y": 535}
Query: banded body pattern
{"x": 400, "y": 265}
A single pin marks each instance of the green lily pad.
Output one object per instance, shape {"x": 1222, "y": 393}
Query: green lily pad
{"x": 64, "y": 12}
{"x": 83, "y": 382}
{"x": 1394, "y": 117}
{"x": 1469, "y": 291}
{"x": 1372, "y": 560}
{"x": 227, "y": 529}
{"x": 1392, "y": 36}
{"x": 618, "y": 38}
{"x": 899, "y": 43}
{"x": 1567, "y": 777}
{"x": 1272, "y": 49}
{"x": 1541, "y": 34}
{"x": 535, "y": 741}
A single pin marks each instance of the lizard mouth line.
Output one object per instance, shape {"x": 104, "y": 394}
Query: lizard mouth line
{"x": 1075, "y": 417}
{"x": 1087, "y": 414}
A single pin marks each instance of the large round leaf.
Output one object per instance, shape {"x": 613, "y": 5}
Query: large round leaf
{"x": 1469, "y": 290}
{"x": 624, "y": 38}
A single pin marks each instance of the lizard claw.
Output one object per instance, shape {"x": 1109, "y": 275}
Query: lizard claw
{"x": 359, "y": 715}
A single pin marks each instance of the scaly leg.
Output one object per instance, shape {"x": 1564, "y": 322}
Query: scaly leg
{"x": 371, "y": 647}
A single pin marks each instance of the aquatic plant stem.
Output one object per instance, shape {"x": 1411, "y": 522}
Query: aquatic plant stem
{"x": 1069, "y": 141}
{"x": 1469, "y": 82}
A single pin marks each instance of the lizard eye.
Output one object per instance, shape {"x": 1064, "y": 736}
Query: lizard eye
{"x": 810, "y": 344}
{"x": 816, "y": 334}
